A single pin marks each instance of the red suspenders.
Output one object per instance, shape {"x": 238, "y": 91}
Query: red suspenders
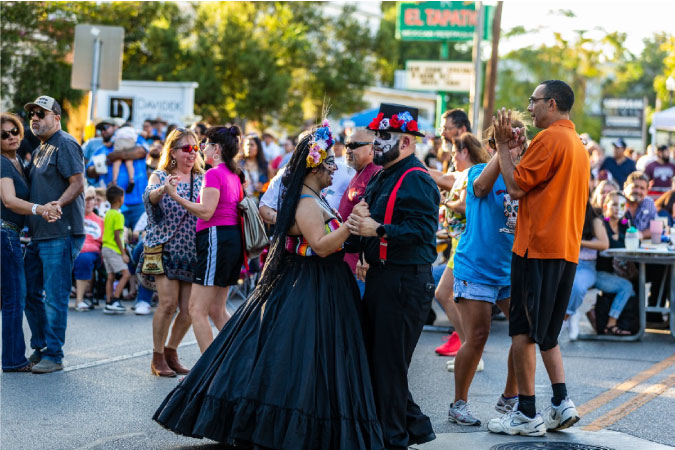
{"x": 389, "y": 212}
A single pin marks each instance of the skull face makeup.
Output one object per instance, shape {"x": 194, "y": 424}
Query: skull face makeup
{"x": 385, "y": 147}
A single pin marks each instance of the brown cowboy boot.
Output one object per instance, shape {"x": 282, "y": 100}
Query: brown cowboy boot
{"x": 159, "y": 367}
{"x": 172, "y": 360}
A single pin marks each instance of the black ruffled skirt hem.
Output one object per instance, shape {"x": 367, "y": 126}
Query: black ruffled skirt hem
{"x": 248, "y": 422}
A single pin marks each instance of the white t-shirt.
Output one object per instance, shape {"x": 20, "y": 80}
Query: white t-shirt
{"x": 271, "y": 195}
{"x": 341, "y": 179}
{"x": 271, "y": 150}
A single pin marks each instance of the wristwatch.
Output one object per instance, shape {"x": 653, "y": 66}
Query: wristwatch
{"x": 380, "y": 231}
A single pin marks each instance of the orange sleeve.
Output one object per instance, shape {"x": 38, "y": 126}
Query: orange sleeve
{"x": 535, "y": 167}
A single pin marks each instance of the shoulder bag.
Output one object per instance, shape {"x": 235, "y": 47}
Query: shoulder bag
{"x": 253, "y": 228}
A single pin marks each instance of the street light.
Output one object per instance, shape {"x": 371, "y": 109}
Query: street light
{"x": 670, "y": 86}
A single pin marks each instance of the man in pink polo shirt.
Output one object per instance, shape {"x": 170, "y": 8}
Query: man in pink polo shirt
{"x": 360, "y": 157}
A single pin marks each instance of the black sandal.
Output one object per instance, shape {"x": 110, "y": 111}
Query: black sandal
{"x": 616, "y": 331}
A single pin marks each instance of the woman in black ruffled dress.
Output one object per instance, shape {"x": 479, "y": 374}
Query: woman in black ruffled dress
{"x": 289, "y": 370}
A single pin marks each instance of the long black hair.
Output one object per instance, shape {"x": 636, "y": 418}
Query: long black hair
{"x": 260, "y": 155}
{"x": 292, "y": 180}
{"x": 588, "y": 232}
{"x": 228, "y": 138}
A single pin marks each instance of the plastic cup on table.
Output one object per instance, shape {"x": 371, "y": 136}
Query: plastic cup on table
{"x": 656, "y": 230}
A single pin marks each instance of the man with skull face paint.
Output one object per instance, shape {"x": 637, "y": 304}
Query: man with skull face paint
{"x": 398, "y": 255}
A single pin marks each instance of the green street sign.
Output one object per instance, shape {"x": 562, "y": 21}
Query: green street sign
{"x": 440, "y": 21}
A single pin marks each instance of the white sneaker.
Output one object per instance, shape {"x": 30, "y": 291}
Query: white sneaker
{"x": 450, "y": 365}
{"x": 114, "y": 308}
{"x": 83, "y": 306}
{"x": 505, "y": 405}
{"x": 574, "y": 325}
{"x": 143, "y": 309}
{"x": 562, "y": 416}
{"x": 515, "y": 422}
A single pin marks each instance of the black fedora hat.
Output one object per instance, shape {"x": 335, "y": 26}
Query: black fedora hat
{"x": 396, "y": 119}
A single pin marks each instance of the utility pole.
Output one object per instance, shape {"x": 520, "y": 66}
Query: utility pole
{"x": 491, "y": 70}
{"x": 475, "y": 100}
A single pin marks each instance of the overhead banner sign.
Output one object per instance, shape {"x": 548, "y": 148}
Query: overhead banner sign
{"x": 440, "y": 21}
{"x": 623, "y": 117}
{"x": 446, "y": 76}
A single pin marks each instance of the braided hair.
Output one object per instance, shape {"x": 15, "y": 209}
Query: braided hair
{"x": 292, "y": 180}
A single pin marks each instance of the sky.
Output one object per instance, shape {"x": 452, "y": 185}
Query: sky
{"x": 639, "y": 19}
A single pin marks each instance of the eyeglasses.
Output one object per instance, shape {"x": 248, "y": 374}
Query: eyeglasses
{"x": 532, "y": 100}
{"x": 36, "y": 112}
{"x": 14, "y": 131}
{"x": 187, "y": 148}
{"x": 355, "y": 145}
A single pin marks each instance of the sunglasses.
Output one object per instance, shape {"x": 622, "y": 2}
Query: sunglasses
{"x": 36, "y": 112}
{"x": 187, "y": 148}
{"x": 14, "y": 131}
{"x": 355, "y": 145}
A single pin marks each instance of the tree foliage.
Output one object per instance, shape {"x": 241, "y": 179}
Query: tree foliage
{"x": 269, "y": 62}
{"x": 595, "y": 68}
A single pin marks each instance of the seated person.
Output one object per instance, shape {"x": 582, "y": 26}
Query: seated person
{"x": 83, "y": 267}
{"x": 593, "y": 239}
{"x": 607, "y": 279}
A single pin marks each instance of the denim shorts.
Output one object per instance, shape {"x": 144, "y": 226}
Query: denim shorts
{"x": 482, "y": 292}
{"x": 83, "y": 267}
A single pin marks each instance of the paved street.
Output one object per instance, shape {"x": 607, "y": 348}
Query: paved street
{"x": 106, "y": 396}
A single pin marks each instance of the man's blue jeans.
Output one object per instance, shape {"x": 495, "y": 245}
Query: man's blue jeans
{"x": 13, "y": 301}
{"x": 49, "y": 267}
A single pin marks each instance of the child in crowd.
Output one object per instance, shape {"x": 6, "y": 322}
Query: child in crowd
{"x": 86, "y": 261}
{"x": 115, "y": 257}
{"x": 125, "y": 139}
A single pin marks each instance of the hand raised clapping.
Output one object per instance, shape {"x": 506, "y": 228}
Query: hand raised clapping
{"x": 171, "y": 184}
{"x": 504, "y": 133}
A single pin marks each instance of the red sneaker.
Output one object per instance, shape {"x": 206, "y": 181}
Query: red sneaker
{"x": 451, "y": 347}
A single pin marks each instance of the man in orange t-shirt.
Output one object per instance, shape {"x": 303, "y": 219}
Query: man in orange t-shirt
{"x": 551, "y": 183}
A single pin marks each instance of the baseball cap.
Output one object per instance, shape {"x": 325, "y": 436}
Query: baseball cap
{"x": 619, "y": 143}
{"x": 45, "y": 102}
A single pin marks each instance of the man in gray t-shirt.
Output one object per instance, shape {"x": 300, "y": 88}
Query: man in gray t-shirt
{"x": 57, "y": 174}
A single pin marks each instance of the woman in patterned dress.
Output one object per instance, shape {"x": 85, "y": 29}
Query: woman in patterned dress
{"x": 170, "y": 225}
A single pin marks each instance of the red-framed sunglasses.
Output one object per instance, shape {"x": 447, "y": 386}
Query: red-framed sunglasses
{"x": 187, "y": 148}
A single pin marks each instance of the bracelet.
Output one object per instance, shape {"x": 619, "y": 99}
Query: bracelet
{"x": 34, "y": 209}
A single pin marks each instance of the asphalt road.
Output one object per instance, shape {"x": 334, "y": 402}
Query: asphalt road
{"x": 106, "y": 396}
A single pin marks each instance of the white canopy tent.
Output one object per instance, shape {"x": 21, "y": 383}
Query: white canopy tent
{"x": 662, "y": 121}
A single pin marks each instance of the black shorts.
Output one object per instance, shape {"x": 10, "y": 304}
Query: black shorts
{"x": 540, "y": 292}
{"x": 219, "y": 256}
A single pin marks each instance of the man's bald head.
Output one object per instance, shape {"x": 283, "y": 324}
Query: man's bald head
{"x": 361, "y": 155}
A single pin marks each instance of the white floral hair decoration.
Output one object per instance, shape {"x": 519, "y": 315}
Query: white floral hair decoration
{"x": 322, "y": 140}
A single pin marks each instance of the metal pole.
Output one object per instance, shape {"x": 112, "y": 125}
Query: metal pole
{"x": 94, "y": 77}
{"x": 478, "y": 38}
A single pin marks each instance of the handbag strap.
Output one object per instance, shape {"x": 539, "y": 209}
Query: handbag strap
{"x": 389, "y": 212}
{"x": 241, "y": 222}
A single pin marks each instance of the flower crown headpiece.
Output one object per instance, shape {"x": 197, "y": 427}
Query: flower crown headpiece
{"x": 403, "y": 121}
{"x": 322, "y": 140}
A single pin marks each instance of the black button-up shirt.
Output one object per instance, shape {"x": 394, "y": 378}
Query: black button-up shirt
{"x": 411, "y": 237}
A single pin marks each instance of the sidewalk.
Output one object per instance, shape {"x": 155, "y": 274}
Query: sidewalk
{"x": 483, "y": 440}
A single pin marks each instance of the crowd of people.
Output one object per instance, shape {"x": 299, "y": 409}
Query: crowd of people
{"x": 152, "y": 216}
